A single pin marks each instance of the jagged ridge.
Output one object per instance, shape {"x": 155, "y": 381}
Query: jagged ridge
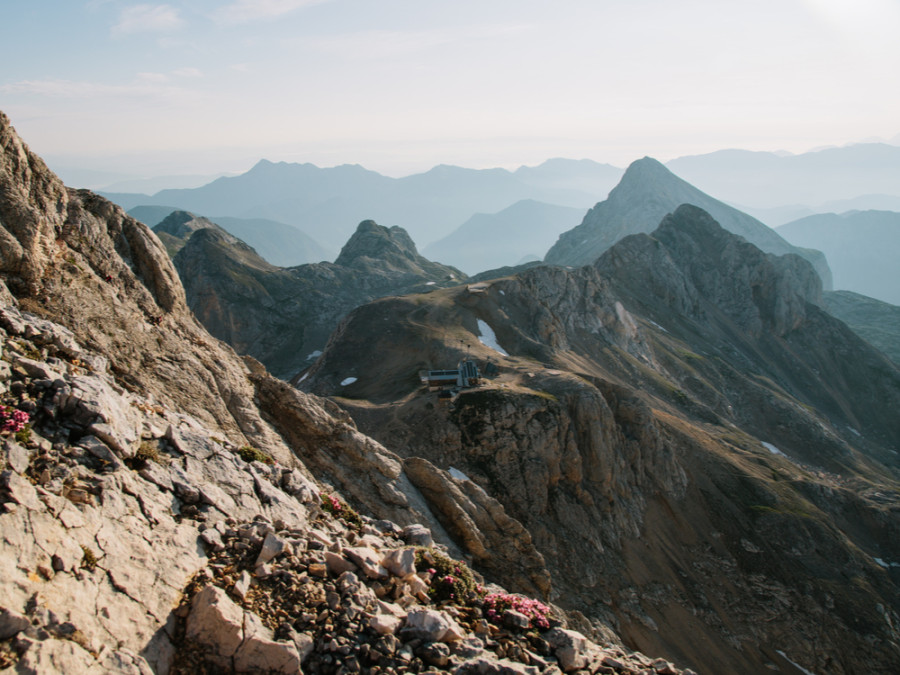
{"x": 646, "y": 193}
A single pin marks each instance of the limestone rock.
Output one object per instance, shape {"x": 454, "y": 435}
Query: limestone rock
{"x": 570, "y": 648}
{"x": 367, "y": 560}
{"x": 401, "y": 562}
{"x": 432, "y": 626}
{"x": 216, "y": 623}
{"x": 259, "y": 652}
{"x": 11, "y": 623}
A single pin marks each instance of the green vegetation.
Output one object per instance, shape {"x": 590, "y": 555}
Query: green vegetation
{"x": 149, "y": 452}
{"x": 451, "y": 579}
{"x": 544, "y": 394}
{"x": 250, "y": 454}
{"x": 88, "y": 559}
{"x": 23, "y": 435}
{"x": 340, "y": 509}
{"x": 688, "y": 355}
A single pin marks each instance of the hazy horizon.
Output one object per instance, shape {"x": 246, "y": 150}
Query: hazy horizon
{"x": 142, "y": 89}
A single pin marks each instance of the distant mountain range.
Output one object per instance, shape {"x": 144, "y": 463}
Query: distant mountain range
{"x": 521, "y": 232}
{"x": 862, "y": 247}
{"x": 767, "y": 179}
{"x": 277, "y": 243}
{"x": 878, "y": 323}
{"x": 326, "y": 203}
{"x": 486, "y": 219}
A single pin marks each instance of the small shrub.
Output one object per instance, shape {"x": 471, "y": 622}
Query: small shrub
{"x": 450, "y": 579}
{"x": 250, "y": 454}
{"x": 339, "y": 509}
{"x": 23, "y": 435}
{"x": 497, "y": 603}
{"x": 149, "y": 452}
{"x": 88, "y": 559}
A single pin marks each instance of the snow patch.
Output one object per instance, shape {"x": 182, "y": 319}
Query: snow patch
{"x": 314, "y": 355}
{"x": 854, "y": 431}
{"x": 771, "y": 448}
{"x": 456, "y": 473}
{"x": 430, "y": 283}
{"x": 796, "y": 665}
{"x": 305, "y": 375}
{"x": 502, "y": 293}
{"x": 349, "y": 380}
{"x": 488, "y": 338}
{"x": 885, "y": 564}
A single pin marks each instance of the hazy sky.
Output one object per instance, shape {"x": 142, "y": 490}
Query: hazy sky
{"x": 402, "y": 85}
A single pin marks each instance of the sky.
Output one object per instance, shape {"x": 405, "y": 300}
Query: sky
{"x": 398, "y": 86}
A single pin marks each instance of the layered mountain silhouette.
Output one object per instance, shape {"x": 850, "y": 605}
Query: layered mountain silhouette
{"x": 283, "y": 316}
{"x": 646, "y": 193}
{"x": 875, "y": 321}
{"x": 862, "y": 247}
{"x": 279, "y": 244}
{"x": 517, "y": 234}
{"x": 768, "y": 179}
{"x": 322, "y": 201}
{"x": 693, "y": 444}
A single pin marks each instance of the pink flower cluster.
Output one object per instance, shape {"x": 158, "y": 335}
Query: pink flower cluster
{"x": 12, "y": 419}
{"x": 331, "y": 503}
{"x": 497, "y": 603}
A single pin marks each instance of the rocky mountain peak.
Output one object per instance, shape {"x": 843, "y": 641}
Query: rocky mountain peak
{"x": 694, "y": 264}
{"x": 182, "y": 223}
{"x": 646, "y": 167}
{"x": 646, "y": 193}
{"x": 372, "y": 241}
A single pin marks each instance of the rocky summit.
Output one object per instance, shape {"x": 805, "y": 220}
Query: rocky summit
{"x": 168, "y": 507}
{"x": 283, "y": 316}
{"x": 646, "y": 193}
{"x": 704, "y": 460}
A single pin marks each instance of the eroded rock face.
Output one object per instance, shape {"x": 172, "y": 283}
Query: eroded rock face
{"x": 694, "y": 265}
{"x": 665, "y": 425}
{"x": 283, "y": 316}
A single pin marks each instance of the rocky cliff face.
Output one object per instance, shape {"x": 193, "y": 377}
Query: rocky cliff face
{"x": 283, "y": 316}
{"x": 646, "y": 193}
{"x": 701, "y": 455}
{"x": 876, "y": 322}
{"x": 168, "y": 507}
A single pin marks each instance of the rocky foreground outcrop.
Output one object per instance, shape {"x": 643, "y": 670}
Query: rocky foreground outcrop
{"x": 134, "y": 541}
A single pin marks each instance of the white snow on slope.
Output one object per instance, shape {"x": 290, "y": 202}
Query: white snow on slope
{"x": 884, "y": 564}
{"x": 771, "y": 448}
{"x": 349, "y": 380}
{"x": 314, "y": 355}
{"x": 796, "y": 665}
{"x": 456, "y": 473}
{"x": 488, "y": 338}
